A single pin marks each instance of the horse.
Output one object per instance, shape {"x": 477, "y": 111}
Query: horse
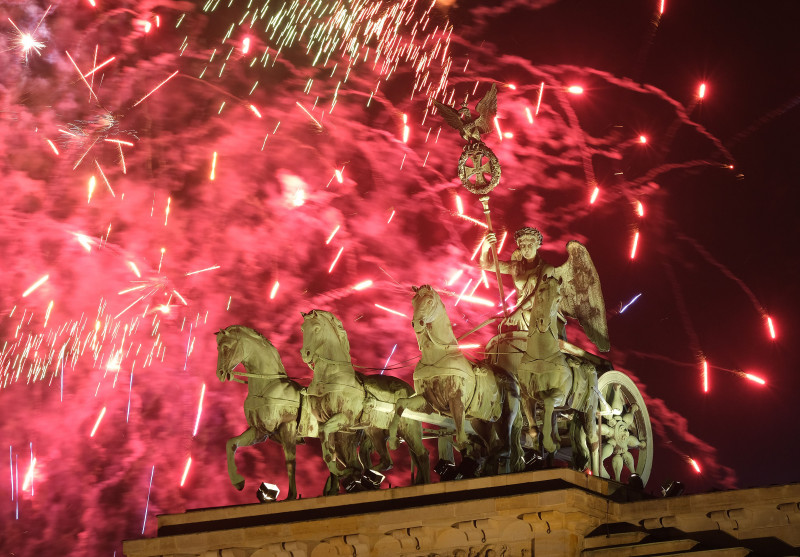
{"x": 448, "y": 383}
{"x": 342, "y": 399}
{"x": 275, "y": 407}
{"x": 546, "y": 376}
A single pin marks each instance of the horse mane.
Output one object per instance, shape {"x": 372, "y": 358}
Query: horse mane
{"x": 264, "y": 341}
{"x": 337, "y": 327}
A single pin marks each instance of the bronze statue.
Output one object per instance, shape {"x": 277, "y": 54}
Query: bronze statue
{"x": 343, "y": 400}
{"x": 448, "y": 383}
{"x": 275, "y": 406}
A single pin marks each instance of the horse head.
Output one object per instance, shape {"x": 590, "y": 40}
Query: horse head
{"x": 230, "y": 352}
{"x": 427, "y": 306}
{"x": 545, "y": 306}
{"x": 323, "y": 335}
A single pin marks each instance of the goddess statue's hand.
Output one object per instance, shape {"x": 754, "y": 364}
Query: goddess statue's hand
{"x": 491, "y": 239}
{"x": 515, "y": 319}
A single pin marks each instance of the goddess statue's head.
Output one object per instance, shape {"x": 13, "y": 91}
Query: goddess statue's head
{"x": 529, "y": 240}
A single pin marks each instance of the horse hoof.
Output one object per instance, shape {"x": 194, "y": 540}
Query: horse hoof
{"x": 239, "y": 485}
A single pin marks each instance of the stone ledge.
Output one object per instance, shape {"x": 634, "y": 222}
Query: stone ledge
{"x": 553, "y": 512}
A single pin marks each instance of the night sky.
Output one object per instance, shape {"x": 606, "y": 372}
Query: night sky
{"x": 270, "y": 174}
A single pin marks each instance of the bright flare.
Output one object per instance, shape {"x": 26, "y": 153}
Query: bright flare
{"x": 341, "y": 249}
{"x": 771, "y": 326}
{"x": 755, "y": 378}
{"x": 455, "y": 277}
{"x": 35, "y": 285}
{"x": 363, "y": 285}
{"x": 199, "y": 410}
{"x": 695, "y": 465}
{"x": 335, "y": 230}
{"x": 539, "y": 101}
{"x": 635, "y": 245}
{"x": 199, "y": 271}
{"x": 702, "y": 92}
{"x": 705, "y": 376}
{"x": 156, "y": 88}
{"x": 186, "y": 471}
{"x": 595, "y": 193}
{"x": 459, "y": 205}
{"x": 639, "y": 208}
{"x": 97, "y": 423}
{"x": 391, "y": 310}
{"x": 575, "y": 89}
{"x": 274, "y": 290}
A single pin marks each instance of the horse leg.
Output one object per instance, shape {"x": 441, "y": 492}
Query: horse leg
{"x": 415, "y": 403}
{"x": 287, "y": 435}
{"x": 411, "y": 432}
{"x": 517, "y": 463}
{"x": 332, "y": 483}
{"x": 592, "y": 437}
{"x": 377, "y": 438}
{"x": 529, "y": 407}
{"x": 457, "y": 411}
{"x": 549, "y": 425}
{"x": 509, "y": 453}
{"x": 249, "y": 437}
{"x": 335, "y": 424}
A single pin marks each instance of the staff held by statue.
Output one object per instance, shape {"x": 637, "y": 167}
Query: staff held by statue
{"x": 484, "y": 161}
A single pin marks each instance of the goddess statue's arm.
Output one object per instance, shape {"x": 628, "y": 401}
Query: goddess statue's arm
{"x": 485, "y": 260}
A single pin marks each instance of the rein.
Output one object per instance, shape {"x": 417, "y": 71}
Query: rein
{"x": 257, "y": 376}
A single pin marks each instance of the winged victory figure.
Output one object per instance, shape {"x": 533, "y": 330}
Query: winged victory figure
{"x": 581, "y": 296}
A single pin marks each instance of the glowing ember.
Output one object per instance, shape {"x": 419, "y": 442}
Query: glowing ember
{"x": 274, "y": 290}
{"x": 186, "y": 470}
{"x": 401, "y": 314}
{"x": 35, "y": 285}
{"x": 771, "y": 326}
{"x": 575, "y": 89}
{"x": 755, "y": 378}
{"x": 335, "y": 259}
{"x": 363, "y": 285}
{"x": 97, "y": 423}
{"x": 335, "y": 230}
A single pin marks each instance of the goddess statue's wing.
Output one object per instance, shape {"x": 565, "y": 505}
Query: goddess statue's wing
{"x": 450, "y": 115}
{"x": 487, "y": 110}
{"x": 582, "y": 297}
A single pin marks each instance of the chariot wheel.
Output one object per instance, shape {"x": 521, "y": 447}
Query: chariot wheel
{"x": 626, "y": 436}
